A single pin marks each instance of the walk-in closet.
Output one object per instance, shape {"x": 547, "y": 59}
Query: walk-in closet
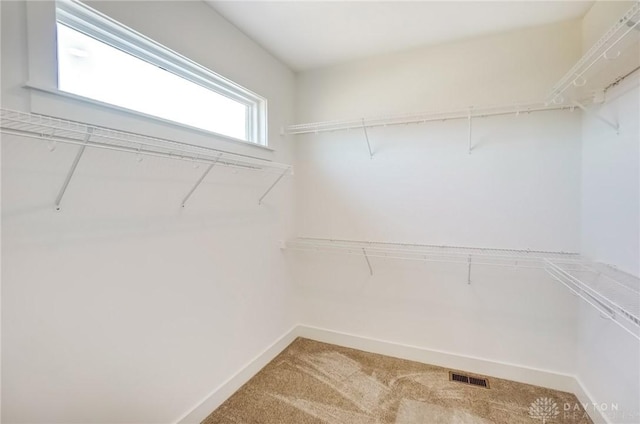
{"x": 307, "y": 212}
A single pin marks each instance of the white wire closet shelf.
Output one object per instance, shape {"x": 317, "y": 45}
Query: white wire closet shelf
{"x": 423, "y": 117}
{"x": 615, "y": 294}
{"x": 591, "y": 74}
{"x": 56, "y": 130}
{"x": 436, "y": 253}
{"x": 612, "y": 292}
{"x": 612, "y": 56}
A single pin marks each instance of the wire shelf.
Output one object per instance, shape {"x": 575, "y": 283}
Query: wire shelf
{"x": 612, "y": 292}
{"x": 436, "y": 253}
{"x": 423, "y": 117}
{"x": 620, "y": 36}
{"x": 69, "y": 132}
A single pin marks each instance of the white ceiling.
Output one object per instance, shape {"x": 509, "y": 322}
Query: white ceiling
{"x": 310, "y": 34}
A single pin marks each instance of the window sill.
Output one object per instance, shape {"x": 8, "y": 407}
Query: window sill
{"x": 185, "y": 129}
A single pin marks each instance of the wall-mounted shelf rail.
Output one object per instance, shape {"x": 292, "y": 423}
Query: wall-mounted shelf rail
{"x": 466, "y": 113}
{"x": 54, "y": 130}
{"x": 615, "y": 294}
{"x": 608, "y": 47}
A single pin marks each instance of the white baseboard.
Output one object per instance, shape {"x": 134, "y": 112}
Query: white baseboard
{"x": 233, "y": 383}
{"x": 585, "y": 398}
{"x": 514, "y": 372}
{"x": 482, "y": 366}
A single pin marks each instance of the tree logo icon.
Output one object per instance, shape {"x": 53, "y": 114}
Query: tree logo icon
{"x": 544, "y": 409}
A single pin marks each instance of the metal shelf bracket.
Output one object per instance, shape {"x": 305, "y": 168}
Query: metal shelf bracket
{"x": 204, "y": 175}
{"x": 614, "y": 294}
{"x": 366, "y": 257}
{"x": 72, "y": 170}
{"x": 613, "y": 125}
{"x": 54, "y": 130}
{"x": 470, "y": 128}
{"x": 273, "y": 185}
{"x": 366, "y": 137}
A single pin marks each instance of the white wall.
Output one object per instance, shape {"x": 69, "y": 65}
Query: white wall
{"x": 505, "y": 68}
{"x": 123, "y": 307}
{"x": 519, "y": 188}
{"x": 611, "y": 181}
{"x": 611, "y": 162}
{"x": 608, "y": 358}
{"x": 609, "y": 364}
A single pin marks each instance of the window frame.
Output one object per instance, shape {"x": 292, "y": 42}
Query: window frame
{"x": 83, "y": 18}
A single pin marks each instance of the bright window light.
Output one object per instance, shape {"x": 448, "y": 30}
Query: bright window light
{"x": 93, "y": 68}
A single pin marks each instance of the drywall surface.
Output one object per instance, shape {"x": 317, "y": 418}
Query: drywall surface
{"x": 608, "y": 367}
{"x": 600, "y": 17}
{"x": 124, "y": 307}
{"x": 611, "y": 162}
{"x": 611, "y": 181}
{"x": 609, "y": 358}
{"x": 518, "y": 188}
{"x": 500, "y": 69}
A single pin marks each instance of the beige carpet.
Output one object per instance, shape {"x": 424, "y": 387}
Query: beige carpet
{"x": 314, "y": 383}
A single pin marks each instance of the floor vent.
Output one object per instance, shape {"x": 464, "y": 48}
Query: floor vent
{"x": 474, "y": 381}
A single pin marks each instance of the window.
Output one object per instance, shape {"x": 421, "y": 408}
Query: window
{"x": 104, "y": 61}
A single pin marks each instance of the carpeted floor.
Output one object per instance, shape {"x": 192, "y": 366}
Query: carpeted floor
{"x": 313, "y": 383}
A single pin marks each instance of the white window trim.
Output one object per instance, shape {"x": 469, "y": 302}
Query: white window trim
{"x": 43, "y": 78}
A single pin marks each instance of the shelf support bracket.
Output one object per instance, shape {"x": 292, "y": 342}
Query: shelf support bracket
{"x": 200, "y": 180}
{"x": 613, "y": 125}
{"x": 273, "y": 185}
{"x": 470, "y": 128}
{"x": 366, "y": 257}
{"x": 366, "y": 137}
{"x": 72, "y": 170}
{"x": 469, "y": 270}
